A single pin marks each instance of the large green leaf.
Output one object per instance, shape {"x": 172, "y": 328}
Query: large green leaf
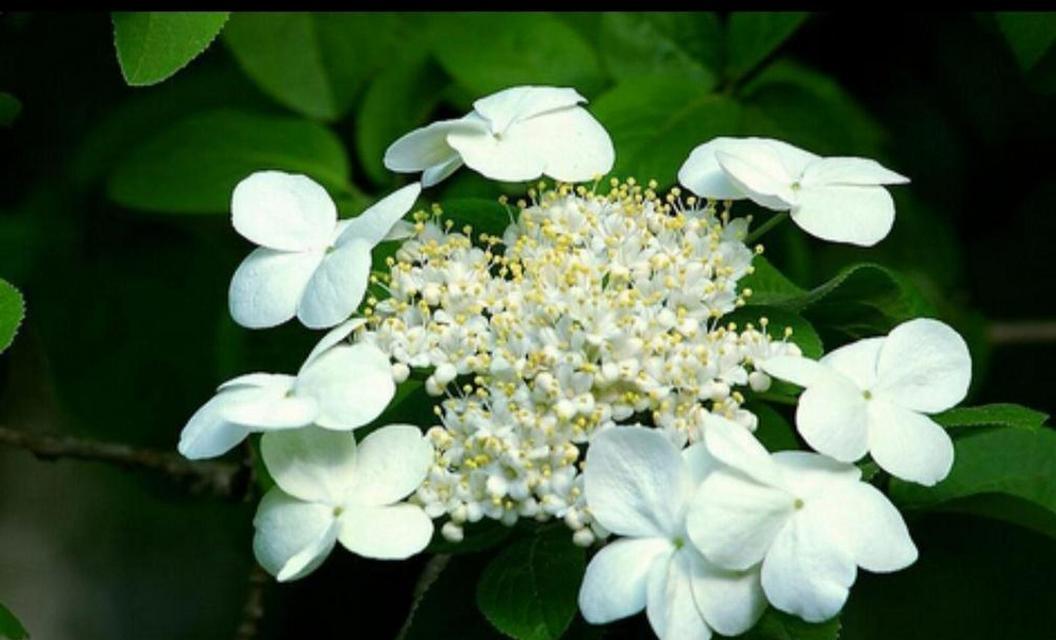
{"x": 658, "y": 44}
{"x": 12, "y": 311}
{"x": 1002, "y": 463}
{"x": 992, "y": 415}
{"x": 483, "y": 215}
{"x": 529, "y": 590}
{"x": 192, "y": 166}
{"x": 10, "y": 107}
{"x": 768, "y": 285}
{"x": 774, "y": 431}
{"x": 778, "y": 319}
{"x": 10, "y": 627}
{"x": 1029, "y": 34}
{"x": 486, "y": 52}
{"x": 316, "y": 63}
{"x": 656, "y": 122}
{"x": 153, "y": 45}
{"x": 752, "y": 37}
{"x": 778, "y": 625}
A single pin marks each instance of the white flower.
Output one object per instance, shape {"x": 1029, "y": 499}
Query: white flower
{"x": 808, "y": 519}
{"x": 329, "y": 490}
{"x": 837, "y": 199}
{"x": 638, "y": 485}
{"x": 309, "y": 264}
{"x": 520, "y": 133}
{"x": 339, "y": 387}
{"x": 870, "y": 396}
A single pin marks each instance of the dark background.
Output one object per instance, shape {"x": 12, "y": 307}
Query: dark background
{"x": 127, "y": 330}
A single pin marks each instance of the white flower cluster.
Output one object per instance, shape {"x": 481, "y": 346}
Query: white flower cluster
{"x": 591, "y": 310}
{"x": 583, "y": 371}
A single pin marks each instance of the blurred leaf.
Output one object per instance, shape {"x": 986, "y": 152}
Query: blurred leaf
{"x": 316, "y": 63}
{"x": 153, "y": 45}
{"x": 992, "y": 415}
{"x": 485, "y": 216}
{"x": 656, "y": 122}
{"x": 809, "y": 109}
{"x": 479, "y": 536}
{"x": 656, "y": 44}
{"x": 768, "y": 285}
{"x": 528, "y": 591}
{"x": 803, "y": 334}
{"x": 396, "y": 102}
{"x": 1016, "y": 463}
{"x": 774, "y": 431}
{"x": 778, "y": 625}
{"x": 12, "y": 311}
{"x": 1029, "y": 34}
{"x": 486, "y": 52}
{"x": 752, "y": 37}
{"x": 10, "y": 107}
{"x": 10, "y": 627}
{"x": 192, "y": 166}
{"x": 443, "y": 603}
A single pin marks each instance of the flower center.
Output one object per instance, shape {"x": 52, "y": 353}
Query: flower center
{"x": 798, "y": 503}
{"x": 867, "y": 394}
{"x": 338, "y": 511}
{"x": 679, "y": 542}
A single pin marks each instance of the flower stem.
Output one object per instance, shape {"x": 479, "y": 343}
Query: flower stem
{"x": 777, "y": 219}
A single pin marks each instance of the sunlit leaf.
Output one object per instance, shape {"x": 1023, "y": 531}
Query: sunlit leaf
{"x": 12, "y": 311}
{"x": 153, "y": 45}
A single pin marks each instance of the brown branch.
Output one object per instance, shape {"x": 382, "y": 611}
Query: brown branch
{"x": 224, "y": 479}
{"x": 1026, "y": 332}
{"x": 253, "y": 609}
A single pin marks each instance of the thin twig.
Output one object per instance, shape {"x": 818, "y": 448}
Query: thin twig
{"x": 429, "y": 575}
{"x": 224, "y": 479}
{"x": 253, "y": 609}
{"x": 759, "y": 231}
{"x": 1027, "y": 332}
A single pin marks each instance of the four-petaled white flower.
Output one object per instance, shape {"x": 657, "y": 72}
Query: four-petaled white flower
{"x": 517, "y": 134}
{"x": 638, "y": 485}
{"x": 806, "y": 518}
{"x": 839, "y": 199}
{"x": 329, "y": 490}
{"x": 339, "y": 387}
{"x": 871, "y": 396}
{"x": 309, "y": 264}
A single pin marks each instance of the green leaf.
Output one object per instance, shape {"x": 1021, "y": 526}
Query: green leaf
{"x": 768, "y": 285}
{"x": 774, "y": 431}
{"x": 752, "y": 37}
{"x": 656, "y": 122}
{"x": 10, "y": 107}
{"x": 316, "y": 63}
{"x": 153, "y": 45}
{"x": 1029, "y": 34}
{"x": 12, "y": 311}
{"x": 396, "y": 102}
{"x": 997, "y": 465}
{"x": 656, "y": 44}
{"x": 992, "y": 415}
{"x": 803, "y": 333}
{"x": 528, "y": 592}
{"x": 778, "y": 625}
{"x": 193, "y": 165}
{"x": 10, "y": 627}
{"x": 486, "y": 52}
{"x": 483, "y": 215}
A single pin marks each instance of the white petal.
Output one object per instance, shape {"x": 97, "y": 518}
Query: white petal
{"x": 731, "y": 601}
{"x": 258, "y": 380}
{"x": 337, "y": 286}
{"x": 702, "y": 175}
{"x": 515, "y": 104}
{"x": 861, "y": 172}
{"x": 374, "y": 224}
{"x": 271, "y": 407}
{"x": 794, "y": 159}
{"x": 292, "y": 537}
{"x": 614, "y": 585}
{"x": 313, "y": 464}
{"x": 334, "y": 337}
{"x": 634, "y": 482}
{"x": 441, "y": 170}
{"x": 670, "y": 607}
{"x": 733, "y": 520}
{"x": 268, "y": 286}
{"x": 735, "y": 446}
{"x": 806, "y": 474}
{"x": 427, "y": 147}
{"x": 857, "y": 361}
{"x": 385, "y": 533}
{"x": 392, "y": 462}
{"x": 507, "y": 158}
{"x": 908, "y": 445}
{"x": 831, "y": 417}
{"x": 795, "y": 369}
{"x": 353, "y": 385}
{"x": 283, "y": 211}
{"x": 207, "y": 434}
{"x": 924, "y": 366}
{"x": 699, "y": 463}
{"x": 573, "y": 145}
{"x": 867, "y": 525}
{"x": 758, "y": 172}
{"x": 806, "y": 573}
{"x": 856, "y": 215}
